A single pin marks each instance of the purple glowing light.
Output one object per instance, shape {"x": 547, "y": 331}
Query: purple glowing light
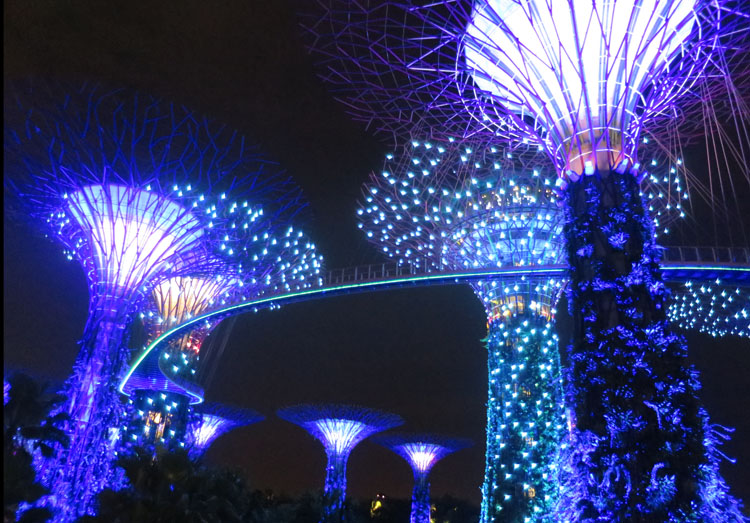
{"x": 339, "y": 428}
{"x": 583, "y": 70}
{"x": 422, "y": 451}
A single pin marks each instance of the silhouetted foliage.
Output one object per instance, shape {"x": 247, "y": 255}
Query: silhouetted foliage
{"x": 28, "y": 428}
{"x": 306, "y": 508}
{"x": 171, "y": 487}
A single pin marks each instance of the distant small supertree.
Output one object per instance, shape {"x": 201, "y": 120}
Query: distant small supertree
{"x": 211, "y": 420}
{"x": 137, "y": 191}
{"x": 422, "y": 451}
{"x": 339, "y": 428}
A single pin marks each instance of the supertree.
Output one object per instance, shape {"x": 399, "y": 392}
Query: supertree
{"x": 137, "y": 191}
{"x": 421, "y": 451}
{"x": 467, "y": 204}
{"x": 214, "y": 419}
{"x": 339, "y": 428}
{"x": 588, "y": 82}
{"x": 713, "y": 308}
{"x": 458, "y": 206}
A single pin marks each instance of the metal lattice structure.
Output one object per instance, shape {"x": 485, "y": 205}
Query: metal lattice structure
{"x": 339, "y": 428}
{"x": 589, "y": 83}
{"x": 137, "y": 191}
{"x": 421, "y": 451}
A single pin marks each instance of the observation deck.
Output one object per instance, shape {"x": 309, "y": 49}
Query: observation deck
{"x": 679, "y": 264}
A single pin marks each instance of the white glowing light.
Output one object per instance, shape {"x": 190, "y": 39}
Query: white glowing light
{"x": 133, "y": 233}
{"x": 580, "y": 68}
{"x": 338, "y": 435}
{"x": 422, "y": 456}
{"x": 211, "y": 427}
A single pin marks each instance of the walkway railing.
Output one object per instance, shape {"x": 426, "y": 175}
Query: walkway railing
{"x": 681, "y": 264}
{"x": 739, "y": 255}
{"x": 391, "y": 270}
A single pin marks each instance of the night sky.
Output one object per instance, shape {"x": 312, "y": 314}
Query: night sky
{"x": 415, "y": 352}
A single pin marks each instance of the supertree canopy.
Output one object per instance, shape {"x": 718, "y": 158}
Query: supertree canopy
{"x": 584, "y": 81}
{"x": 212, "y": 420}
{"x": 458, "y": 206}
{"x": 339, "y": 428}
{"x": 137, "y": 191}
{"x": 421, "y": 451}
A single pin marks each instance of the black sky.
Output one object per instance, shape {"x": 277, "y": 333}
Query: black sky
{"x": 415, "y": 352}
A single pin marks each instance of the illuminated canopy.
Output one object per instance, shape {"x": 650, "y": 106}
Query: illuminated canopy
{"x": 184, "y": 297}
{"x": 215, "y": 420}
{"x": 339, "y": 427}
{"x": 586, "y": 72}
{"x": 422, "y": 451}
{"x": 133, "y": 233}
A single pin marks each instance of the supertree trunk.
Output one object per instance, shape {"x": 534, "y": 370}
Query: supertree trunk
{"x": 95, "y": 409}
{"x": 334, "y": 491}
{"x": 420, "y": 499}
{"x": 525, "y": 420}
{"x": 641, "y": 448}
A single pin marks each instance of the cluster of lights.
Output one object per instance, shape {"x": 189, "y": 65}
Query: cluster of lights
{"x": 339, "y": 428}
{"x": 458, "y": 206}
{"x": 663, "y": 194}
{"x": 156, "y": 419}
{"x": 713, "y": 308}
{"x": 526, "y": 418}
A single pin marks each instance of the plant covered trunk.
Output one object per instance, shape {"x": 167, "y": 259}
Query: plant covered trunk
{"x": 95, "y": 409}
{"x": 642, "y": 448}
{"x": 420, "y": 499}
{"x": 525, "y": 418}
{"x": 334, "y": 491}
